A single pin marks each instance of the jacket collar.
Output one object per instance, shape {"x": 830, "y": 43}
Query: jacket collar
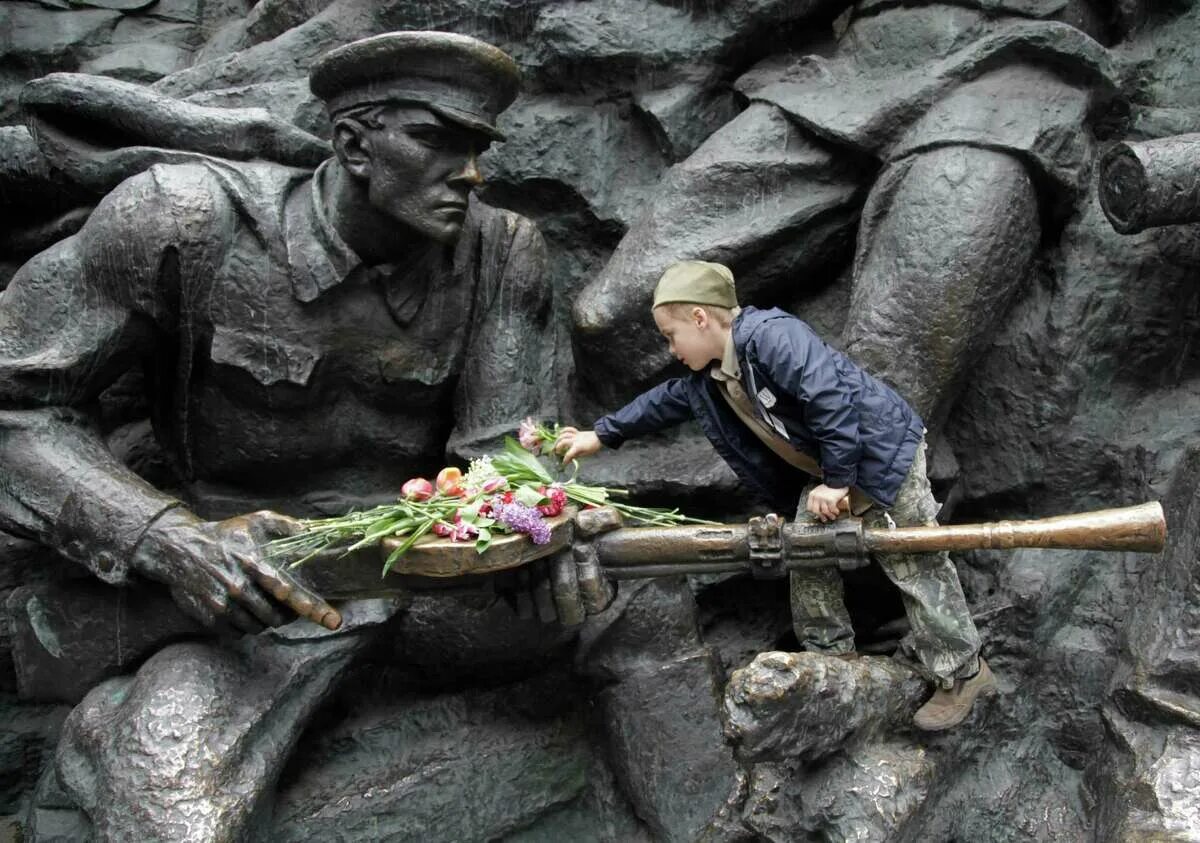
{"x": 318, "y": 256}
{"x": 320, "y": 259}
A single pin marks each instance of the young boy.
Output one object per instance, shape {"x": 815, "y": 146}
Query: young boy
{"x": 782, "y": 407}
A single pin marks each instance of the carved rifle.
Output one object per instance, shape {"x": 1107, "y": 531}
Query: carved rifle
{"x": 765, "y": 547}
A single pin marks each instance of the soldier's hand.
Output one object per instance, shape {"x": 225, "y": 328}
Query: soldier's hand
{"x": 825, "y": 502}
{"x": 573, "y": 443}
{"x": 570, "y": 585}
{"x": 217, "y": 572}
{"x": 580, "y": 587}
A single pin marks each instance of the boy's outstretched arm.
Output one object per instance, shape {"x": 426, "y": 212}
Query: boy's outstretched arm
{"x": 655, "y": 409}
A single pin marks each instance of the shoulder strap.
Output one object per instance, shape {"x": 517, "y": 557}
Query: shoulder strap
{"x": 735, "y": 396}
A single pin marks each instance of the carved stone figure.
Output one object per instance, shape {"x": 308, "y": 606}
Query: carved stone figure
{"x": 304, "y": 340}
{"x": 950, "y": 134}
{"x": 1082, "y": 399}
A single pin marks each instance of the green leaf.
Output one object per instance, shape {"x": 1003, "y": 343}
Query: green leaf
{"x": 528, "y": 460}
{"x": 529, "y": 496}
{"x": 395, "y": 555}
{"x": 470, "y": 512}
{"x": 384, "y": 527}
{"x": 483, "y": 541}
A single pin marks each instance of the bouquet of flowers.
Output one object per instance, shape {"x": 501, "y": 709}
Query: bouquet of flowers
{"x": 511, "y": 492}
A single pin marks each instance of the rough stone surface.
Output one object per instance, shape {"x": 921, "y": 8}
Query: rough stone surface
{"x": 797, "y": 142}
{"x": 27, "y": 738}
{"x": 664, "y": 738}
{"x": 805, "y": 706}
{"x": 870, "y": 793}
{"x": 476, "y": 765}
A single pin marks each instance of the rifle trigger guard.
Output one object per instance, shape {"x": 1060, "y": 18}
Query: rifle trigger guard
{"x": 767, "y": 547}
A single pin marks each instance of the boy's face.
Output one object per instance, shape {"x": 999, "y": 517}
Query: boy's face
{"x": 695, "y": 341}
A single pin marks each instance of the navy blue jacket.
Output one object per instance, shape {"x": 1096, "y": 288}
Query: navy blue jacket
{"x": 860, "y": 431}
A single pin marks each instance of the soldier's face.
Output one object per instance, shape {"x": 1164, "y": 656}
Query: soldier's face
{"x": 422, "y": 171}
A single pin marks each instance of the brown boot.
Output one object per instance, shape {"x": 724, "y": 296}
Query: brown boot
{"x": 947, "y": 708}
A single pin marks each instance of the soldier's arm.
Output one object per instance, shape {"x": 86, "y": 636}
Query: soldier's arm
{"x": 508, "y": 372}
{"x": 73, "y": 319}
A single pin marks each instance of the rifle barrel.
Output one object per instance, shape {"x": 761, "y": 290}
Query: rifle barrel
{"x": 1132, "y": 528}
{"x": 653, "y": 551}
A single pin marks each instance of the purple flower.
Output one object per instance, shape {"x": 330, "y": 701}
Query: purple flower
{"x": 521, "y": 519}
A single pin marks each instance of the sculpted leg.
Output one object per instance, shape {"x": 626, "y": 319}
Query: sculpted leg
{"x": 947, "y": 237}
{"x": 190, "y": 747}
{"x": 759, "y": 195}
{"x": 660, "y": 707}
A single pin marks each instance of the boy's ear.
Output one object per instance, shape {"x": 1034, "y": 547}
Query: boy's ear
{"x": 699, "y": 316}
{"x": 352, "y": 144}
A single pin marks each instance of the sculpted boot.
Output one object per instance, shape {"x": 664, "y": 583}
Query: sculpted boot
{"x": 949, "y": 707}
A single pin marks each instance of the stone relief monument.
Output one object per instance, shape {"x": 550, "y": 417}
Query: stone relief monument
{"x": 211, "y": 325}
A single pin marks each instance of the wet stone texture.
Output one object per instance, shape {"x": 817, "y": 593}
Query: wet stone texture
{"x": 918, "y": 180}
{"x": 511, "y": 762}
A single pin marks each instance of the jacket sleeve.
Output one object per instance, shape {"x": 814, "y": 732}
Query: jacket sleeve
{"x": 73, "y": 319}
{"x": 656, "y": 409}
{"x": 800, "y": 363}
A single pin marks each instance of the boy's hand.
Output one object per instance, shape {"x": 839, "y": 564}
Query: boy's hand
{"x": 572, "y": 443}
{"x": 825, "y": 502}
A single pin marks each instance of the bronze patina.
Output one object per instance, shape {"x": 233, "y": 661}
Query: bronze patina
{"x": 766, "y": 547}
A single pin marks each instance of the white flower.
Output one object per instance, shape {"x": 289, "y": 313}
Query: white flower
{"x": 479, "y": 472}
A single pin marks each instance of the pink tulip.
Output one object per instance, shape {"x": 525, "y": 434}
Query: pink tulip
{"x": 449, "y": 482}
{"x": 527, "y": 435}
{"x": 417, "y": 489}
{"x": 494, "y": 485}
{"x": 465, "y": 532}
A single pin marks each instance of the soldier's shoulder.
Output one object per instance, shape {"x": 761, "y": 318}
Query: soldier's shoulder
{"x": 208, "y": 192}
{"x": 493, "y": 221}
{"x": 161, "y": 191}
{"x": 217, "y": 174}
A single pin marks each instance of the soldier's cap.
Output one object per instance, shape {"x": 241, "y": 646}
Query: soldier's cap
{"x": 458, "y": 78}
{"x": 696, "y": 282}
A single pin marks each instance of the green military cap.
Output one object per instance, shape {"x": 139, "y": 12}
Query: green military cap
{"x": 696, "y": 282}
{"x": 459, "y": 78}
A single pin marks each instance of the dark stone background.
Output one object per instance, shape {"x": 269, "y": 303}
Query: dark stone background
{"x": 1087, "y": 398}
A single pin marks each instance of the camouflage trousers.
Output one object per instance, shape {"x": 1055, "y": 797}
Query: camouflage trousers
{"x": 943, "y": 638}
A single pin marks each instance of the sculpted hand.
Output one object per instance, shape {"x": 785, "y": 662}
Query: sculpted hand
{"x": 572, "y": 443}
{"x": 570, "y": 585}
{"x": 825, "y": 502}
{"x": 217, "y": 572}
